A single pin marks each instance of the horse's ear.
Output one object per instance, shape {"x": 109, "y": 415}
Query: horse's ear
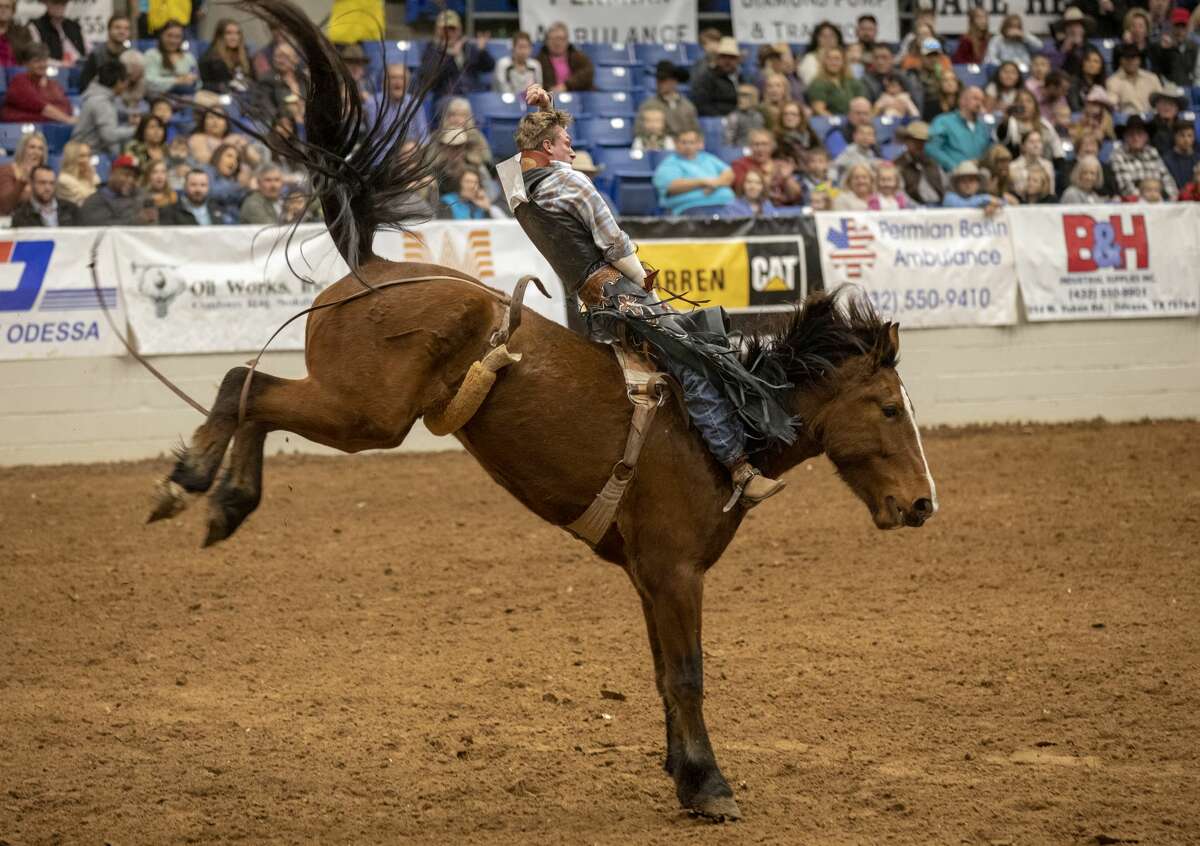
{"x": 893, "y": 331}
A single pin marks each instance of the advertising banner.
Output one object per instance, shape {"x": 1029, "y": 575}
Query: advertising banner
{"x": 1037, "y": 15}
{"x": 48, "y": 305}
{"x": 1089, "y": 262}
{"x": 227, "y": 289}
{"x": 924, "y": 268}
{"x": 614, "y": 21}
{"x": 767, "y": 21}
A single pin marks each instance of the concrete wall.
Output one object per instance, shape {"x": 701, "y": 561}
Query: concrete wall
{"x": 105, "y": 409}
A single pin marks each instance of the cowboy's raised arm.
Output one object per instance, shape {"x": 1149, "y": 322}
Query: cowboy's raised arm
{"x": 536, "y": 95}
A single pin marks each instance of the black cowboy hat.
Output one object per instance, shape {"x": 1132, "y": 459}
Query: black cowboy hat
{"x": 1129, "y": 51}
{"x": 1134, "y": 122}
{"x": 666, "y": 69}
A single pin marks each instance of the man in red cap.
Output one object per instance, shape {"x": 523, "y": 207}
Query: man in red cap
{"x": 1174, "y": 57}
{"x": 118, "y": 202}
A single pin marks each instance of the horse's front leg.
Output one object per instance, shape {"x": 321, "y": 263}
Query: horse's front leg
{"x": 674, "y": 601}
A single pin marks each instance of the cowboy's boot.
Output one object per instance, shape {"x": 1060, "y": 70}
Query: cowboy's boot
{"x": 754, "y": 486}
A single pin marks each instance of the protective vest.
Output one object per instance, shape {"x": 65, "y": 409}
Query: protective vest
{"x": 564, "y": 241}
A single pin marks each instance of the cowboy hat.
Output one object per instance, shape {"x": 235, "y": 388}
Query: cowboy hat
{"x": 666, "y": 69}
{"x": 918, "y": 129}
{"x": 1099, "y": 95}
{"x": 1076, "y": 15}
{"x": 729, "y": 47}
{"x": 1135, "y": 121}
{"x": 1170, "y": 91}
{"x": 965, "y": 170}
{"x": 584, "y": 164}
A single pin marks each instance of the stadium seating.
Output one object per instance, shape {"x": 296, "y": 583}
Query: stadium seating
{"x": 637, "y": 197}
{"x": 713, "y": 129}
{"x": 608, "y": 104}
{"x": 885, "y": 130}
{"x": 607, "y": 132}
{"x": 619, "y": 161}
{"x": 651, "y": 54}
{"x": 616, "y": 78}
{"x": 971, "y": 75}
{"x": 10, "y": 134}
{"x": 603, "y": 54}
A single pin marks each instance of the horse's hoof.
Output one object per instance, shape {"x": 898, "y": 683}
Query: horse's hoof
{"x": 170, "y": 500}
{"x": 717, "y": 809}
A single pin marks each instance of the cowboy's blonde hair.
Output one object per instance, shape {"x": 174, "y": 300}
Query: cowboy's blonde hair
{"x": 539, "y": 127}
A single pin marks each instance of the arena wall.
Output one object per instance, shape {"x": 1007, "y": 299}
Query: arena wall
{"x": 107, "y": 409}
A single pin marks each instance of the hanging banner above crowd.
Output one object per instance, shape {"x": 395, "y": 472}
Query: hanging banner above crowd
{"x": 1090, "y": 262}
{"x": 768, "y": 21}
{"x": 48, "y": 305}
{"x": 92, "y": 16}
{"x": 228, "y": 289}
{"x": 614, "y": 21}
{"x": 924, "y": 268}
{"x": 1036, "y": 15}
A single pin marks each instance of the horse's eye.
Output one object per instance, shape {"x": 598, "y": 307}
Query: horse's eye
{"x": 890, "y": 411}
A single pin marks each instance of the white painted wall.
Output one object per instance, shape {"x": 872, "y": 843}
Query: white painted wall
{"x": 106, "y": 409}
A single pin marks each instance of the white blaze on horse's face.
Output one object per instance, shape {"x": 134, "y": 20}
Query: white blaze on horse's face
{"x": 870, "y": 433}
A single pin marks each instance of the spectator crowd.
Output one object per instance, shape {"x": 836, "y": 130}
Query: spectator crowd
{"x": 1099, "y": 111}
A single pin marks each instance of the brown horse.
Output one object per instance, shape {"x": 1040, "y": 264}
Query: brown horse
{"x": 554, "y": 424}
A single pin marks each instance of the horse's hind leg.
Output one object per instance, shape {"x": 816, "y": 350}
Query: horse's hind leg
{"x": 240, "y": 489}
{"x": 197, "y": 463}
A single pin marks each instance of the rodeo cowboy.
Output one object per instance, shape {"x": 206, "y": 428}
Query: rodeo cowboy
{"x": 568, "y": 221}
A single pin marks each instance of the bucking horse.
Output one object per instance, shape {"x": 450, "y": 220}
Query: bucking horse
{"x": 392, "y": 343}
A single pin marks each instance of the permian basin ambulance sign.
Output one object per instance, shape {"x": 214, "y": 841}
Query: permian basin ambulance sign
{"x": 936, "y": 268}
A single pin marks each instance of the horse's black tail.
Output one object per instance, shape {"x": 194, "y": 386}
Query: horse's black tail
{"x": 360, "y": 175}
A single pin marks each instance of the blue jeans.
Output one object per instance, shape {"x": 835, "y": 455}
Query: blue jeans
{"x": 710, "y": 410}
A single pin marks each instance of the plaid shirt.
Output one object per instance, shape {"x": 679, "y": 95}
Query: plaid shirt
{"x": 1131, "y": 168}
{"x": 569, "y": 191}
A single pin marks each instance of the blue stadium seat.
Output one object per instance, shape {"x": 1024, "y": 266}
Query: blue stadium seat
{"x": 971, "y": 75}
{"x": 727, "y": 153}
{"x": 103, "y": 166}
{"x": 609, "y": 103}
{"x": 616, "y": 78}
{"x": 835, "y": 142}
{"x": 1106, "y": 151}
{"x": 572, "y": 103}
{"x": 617, "y": 53}
{"x": 891, "y": 152}
{"x": 885, "y": 130}
{"x": 637, "y": 196}
{"x": 714, "y": 132}
{"x": 10, "y": 135}
{"x": 499, "y": 48}
{"x": 619, "y": 161}
{"x": 490, "y": 104}
{"x": 821, "y": 124}
{"x": 651, "y": 54}
{"x": 608, "y": 132}
{"x": 144, "y": 44}
{"x": 1106, "y": 47}
{"x": 57, "y": 135}
{"x": 499, "y": 134}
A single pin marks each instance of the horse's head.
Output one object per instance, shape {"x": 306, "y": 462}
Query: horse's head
{"x": 842, "y": 359}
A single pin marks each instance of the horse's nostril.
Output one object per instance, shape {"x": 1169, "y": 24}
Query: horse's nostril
{"x": 923, "y": 506}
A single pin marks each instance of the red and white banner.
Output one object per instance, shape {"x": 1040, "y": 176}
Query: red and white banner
{"x": 1099, "y": 262}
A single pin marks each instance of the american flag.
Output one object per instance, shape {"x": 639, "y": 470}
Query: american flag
{"x": 852, "y": 251}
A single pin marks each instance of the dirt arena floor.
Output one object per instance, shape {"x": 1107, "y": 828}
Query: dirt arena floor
{"x": 392, "y": 650}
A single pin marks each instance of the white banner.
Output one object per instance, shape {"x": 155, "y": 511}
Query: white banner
{"x": 767, "y": 21}
{"x": 1089, "y": 262}
{"x": 48, "y": 306}
{"x": 227, "y": 289}
{"x": 614, "y": 21}
{"x": 1036, "y": 15}
{"x": 925, "y": 268}
{"x": 92, "y": 16}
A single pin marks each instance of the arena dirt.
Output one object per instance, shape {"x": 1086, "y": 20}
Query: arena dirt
{"x": 392, "y": 650}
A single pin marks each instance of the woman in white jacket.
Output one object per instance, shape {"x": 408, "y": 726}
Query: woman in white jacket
{"x": 514, "y": 74}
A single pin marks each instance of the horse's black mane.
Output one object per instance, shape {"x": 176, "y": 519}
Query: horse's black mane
{"x": 824, "y": 331}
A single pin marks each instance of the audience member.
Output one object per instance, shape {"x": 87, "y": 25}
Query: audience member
{"x": 263, "y": 59}
{"x": 1137, "y": 31}
{"x": 747, "y": 117}
{"x": 299, "y": 206}
{"x": 98, "y": 123}
{"x": 866, "y": 30}
{"x": 156, "y": 185}
{"x": 924, "y": 26}
{"x": 43, "y": 208}
{"x": 1013, "y": 44}
{"x": 1038, "y": 190}
{"x": 1024, "y": 117}
{"x": 779, "y": 59}
{"x": 1181, "y": 158}
{"x": 1089, "y": 145}
{"x": 13, "y": 36}
{"x": 62, "y": 36}
{"x": 1086, "y": 177}
{"x": 882, "y": 65}
{"x": 1096, "y": 116}
{"x": 16, "y": 176}
{"x": 1031, "y": 159}
{"x": 110, "y": 50}
{"x": 832, "y": 90}
{"x": 226, "y": 65}
{"x": 681, "y": 113}
{"x": 949, "y": 93}
{"x": 965, "y": 182}
{"x": 923, "y": 179}
{"x": 118, "y": 202}
{"x": 264, "y": 206}
{"x": 929, "y": 76}
{"x": 564, "y": 66}
{"x": 454, "y": 63}
{"x": 888, "y": 196}
{"x": 816, "y": 170}
{"x": 775, "y": 94}
{"x": 1072, "y": 30}
{"x": 1175, "y": 55}
{"x": 895, "y": 101}
{"x": 194, "y": 207}
{"x": 861, "y": 150}
{"x": 519, "y": 70}
{"x": 33, "y": 97}
{"x": 77, "y": 177}
{"x": 1167, "y": 105}
{"x": 794, "y": 134}
{"x": 691, "y": 181}
{"x": 998, "y": 178}
{"x": 962, "y": 134}
{"x": 858, "y": 186}
{"x": 1051, "y": 94}
{"x": 284, "y": 78}
{"x": 972, "y": 47}
{"x": 650, "y": 130}
{"x": 460, "y": 146}
{"x": 468, "y": 202}
{"x": 782, "y": 186}
{"x": 169, "y": 68}
{"x": 751, "y": 200}
{"x": 1135, "y": 159}
{"x": 715, "y": 90}
{"x": 1150, "y": 190}
{"x": 228, "y": 182}
{"x": 1131, "y": 86}
{"x": 212, "y": 131}
{"x": 1191, "y": 191}
{"x": 131, "y": 100}
{"x": 822, "y": 196}
{"x": 355, "y": 59}
{"x": 397, "y": 101}
{"x": 1091, "y": 75}
{"x": 710, "y": 41}
{"x": 824, "y": 37}
{"x": 1001, "y": 91}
